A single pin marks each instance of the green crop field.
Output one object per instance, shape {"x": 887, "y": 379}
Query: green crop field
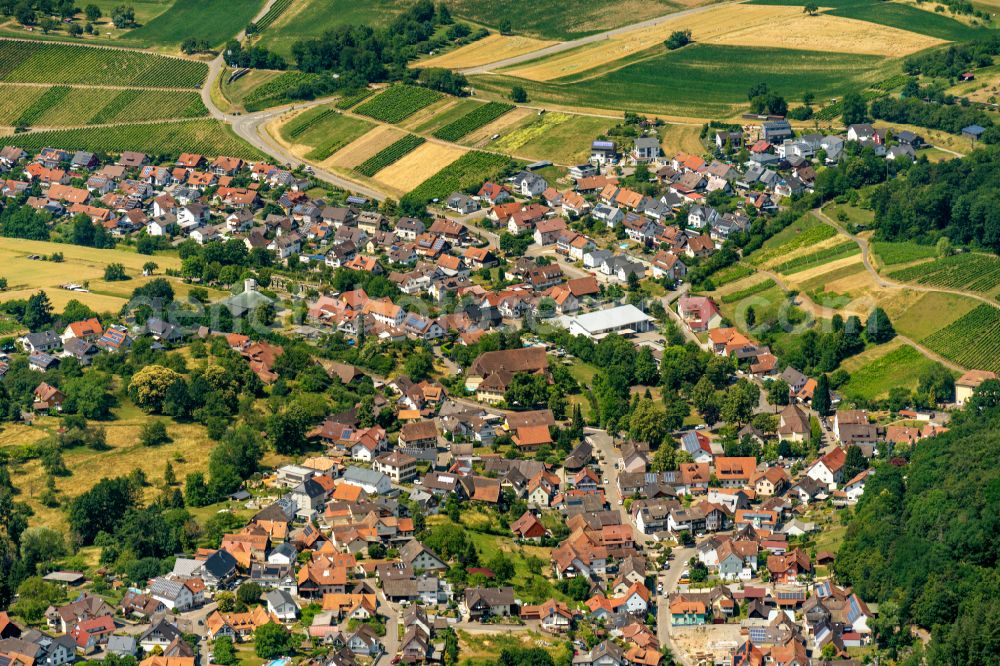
{"x": 349, "y": 100}
{"x": 390, "y": 155}
{"x": 895, "y": 15}
{"x": 971, "y": 341}
{"x": 971, "y": 271}
{"x": 701, "y": 80}
{"x": 874, "y": 372}
{"x": 208, "y": 137}
{"x": 731, "y": 274}
{"x": 325, "y": 130}
{"x": 484, "y": 114}
{"x": 211, "y": 20}
{"x": 469, "y": 169}
{"x": 561, "y": 137}
{"x": 38, "y": 62}
{"x": 59, "y": 106}
{"x": 807, "y": 230}
{"x": 901, "y": 253}
{"x": 818, "y": 258}
{"x": 398, "y": 103}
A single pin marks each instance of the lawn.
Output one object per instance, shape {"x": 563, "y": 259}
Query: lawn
{"x": 901, "y": 253}
{"x": 847, "y": 214}
{"x": 213, "y": 20}
{"x": 700, "y": 81}
{"x": 208, "y": 137}
{"x": 876, "y": 370}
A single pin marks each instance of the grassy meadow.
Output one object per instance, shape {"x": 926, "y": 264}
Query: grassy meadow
{"x": 213, "y": 20}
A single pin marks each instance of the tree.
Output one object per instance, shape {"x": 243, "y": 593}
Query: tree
{"x": 41, "y": 546}
{"x": 944, "y": 247}
{"x": 223, "y": 652}
{"x": 879, "y": 329}
{"x": 271, "y": 641}
{"x": 100, "y": 508}
{"x": 665, "y": 458}
{"x": 778, "y": 392}
{"x": 854, "y": 463}
{"x": 647, "y": 423}
{"x": 740, "y": 402}
{"x": 518, "y": 95}
{"x": 169, "y": 476}
{"x": 821, "y": 396}
{"x": 501, "y": 566}
{"x": 153, "y": 433}
{"x": 705, "y": 400}
{"x": 123, "y": 16}
{"x": 855, "y": 109}
{"x": 287, "y": 432}
{"x": 149, "y": 268}
{"x": 677, "y": 39}
{"x": 115, "y": 273}
{"x": 505, "y": 26}
{"x": 810, "y": 9}
{"x": 527, "y": 391}
{"x": 249, "y": 593}
{"x": 92, "y": 12}
{"x": 419, "y": 365}
{"x": 37, "y": 312}
{"x": 148, "y": 388}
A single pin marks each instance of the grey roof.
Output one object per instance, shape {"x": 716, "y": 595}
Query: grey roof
{"x": 122, "y": 645}
{"x": 166, "y": 588}
{"x": 185, "y": 567}
{"x": 286, "y": 549}
{"x": 277, "y": 598}
{"x": 365, "y": 476}
{"x": 220, "y": 564}
{"x": 310, "y": 489}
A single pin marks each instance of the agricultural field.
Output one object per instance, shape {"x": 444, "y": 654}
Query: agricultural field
{"x": 307, "y": 19}
{"x": 896, "y": 15}
{"x": 471, "y": 168}
{"x": 804, "y": 232}
{"x": 390, "y": 155}
{"x": 58, "y": 106}
{"x": 265, "y": 88}
{"x": 38, "y": 62}
{"x": 929, "y": 312}
{"x": 876, "y": 370}
{"x": 208, "y": 137}
{"x": 322, "y": 131}
{"x": 418, "y": 166}
{"x": 731, "y": 274}
{"x": 890, "y": 254}
{"x": 213, "y": 20}
{"x": 561, "y": 137}
{"x": 550, "y": 19}
{"x": 820, "y": 257}
{"x": 473, "y": 120}
{"x": 969, "y": 271}
{"x": 272, "y": 15}
{"x": 483, "y": 51}
{"x": 398, "y": 103}
{"x": 359, "y": 150}
{"x": 732, "y": 25}
{"x": 699, "y": 81}
{"x": 746, "y": 292}
{"x": 348, "y": 100}
{"x": 971, "y": 341}
{"x": 443, "y": 112}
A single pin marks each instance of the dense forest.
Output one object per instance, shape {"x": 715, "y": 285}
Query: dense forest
{"x": 957, "y": 198}
{"x": 923, "y": 542}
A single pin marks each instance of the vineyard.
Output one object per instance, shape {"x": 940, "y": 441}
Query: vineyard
{"x": 749, "y": 291}
{"x": 353, "y": 99}
{"x": 65, "y": 106}
{"x": 731, "y": 274}
{"x": 818, "y": 258}
{"x": 40, "y": 62}
{"x": 390, "y": 155}
{"x": 470, "y": 122}
{"x": 276, "y": 10}
{"x": 324, "y": 130}
{"x": 398, "y": 103}
{"x": 902, "y": 253}
{"x": 972, "y": 340}
{"x": 469, "y": 169}
{"x": 975, "y": 272}
{"x": 208, "y": 137}
{"x": 804, "y": 232}
{"x": 275, "y": 91}
{"x": 305, "y": 122}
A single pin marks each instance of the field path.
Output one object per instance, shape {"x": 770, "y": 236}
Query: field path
{"x": 589, "y": 39}
{"x": 888, "y": 283}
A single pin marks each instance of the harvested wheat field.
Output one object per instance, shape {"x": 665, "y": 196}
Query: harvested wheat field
{"x": 486, "y": 50}
{"x": 418, "y": 166}
{"x": 737, "y": 25}
{"x": 371, "y": 143}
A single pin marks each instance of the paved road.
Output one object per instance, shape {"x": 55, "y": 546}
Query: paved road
{"x": 590, "y": 39}
{"x": 669, "y": 580}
